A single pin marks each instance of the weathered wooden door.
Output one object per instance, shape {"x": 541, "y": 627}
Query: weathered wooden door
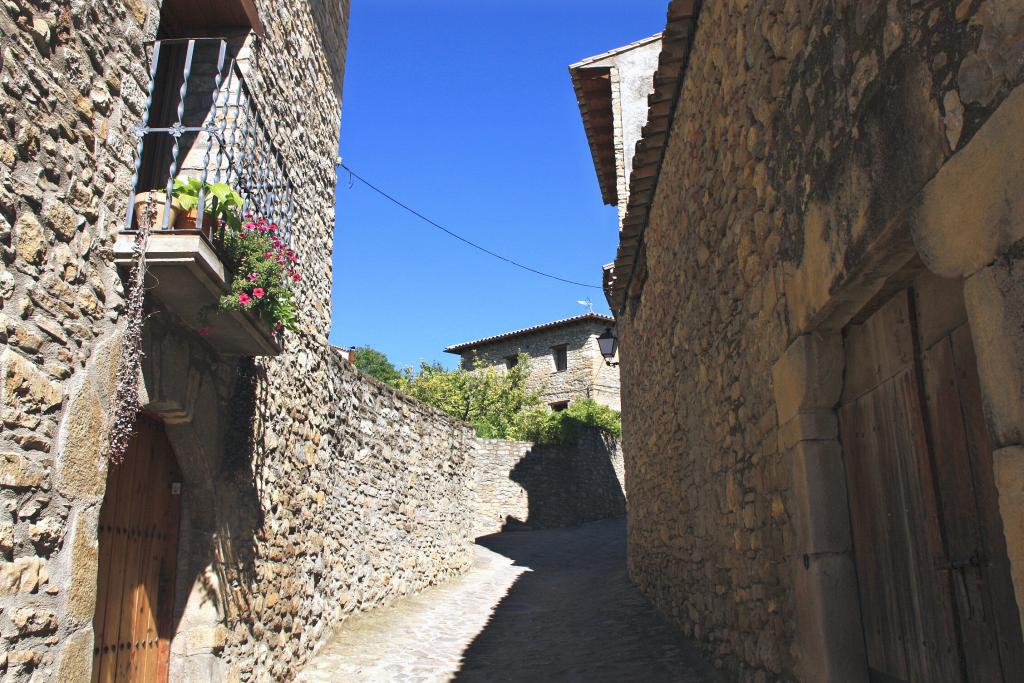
{"x": 138, "y": 552}
{"x": 936, "y": 599}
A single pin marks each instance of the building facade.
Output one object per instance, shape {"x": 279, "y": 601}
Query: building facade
{"x": 565, "y": 362}
{"x": 818, "y": 295}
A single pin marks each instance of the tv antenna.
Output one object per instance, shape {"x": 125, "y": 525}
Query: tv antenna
{"x": 588, "y": 303}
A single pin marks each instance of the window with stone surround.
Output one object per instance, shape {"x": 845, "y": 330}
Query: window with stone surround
{"x": 559, "y": 406}
{"x": 561, "y": 356}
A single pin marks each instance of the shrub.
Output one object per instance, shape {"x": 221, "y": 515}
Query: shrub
{"x": 541, "y": 425}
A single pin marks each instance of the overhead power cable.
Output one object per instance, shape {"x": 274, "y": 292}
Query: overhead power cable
{"x": 440, "y": 227}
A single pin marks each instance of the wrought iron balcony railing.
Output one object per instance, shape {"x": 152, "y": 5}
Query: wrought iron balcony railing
{"x": 200, "y": 121}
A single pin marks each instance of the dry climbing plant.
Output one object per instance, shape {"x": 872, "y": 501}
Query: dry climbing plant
{"x": 126, "y": 395}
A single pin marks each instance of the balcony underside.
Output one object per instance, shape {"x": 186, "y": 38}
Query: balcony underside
{"x": 188, "y": 278}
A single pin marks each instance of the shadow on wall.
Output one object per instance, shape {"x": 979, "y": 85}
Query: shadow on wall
{"x": 220, "y": 449}
{"x": 241, "y": 526}
{"x": 570, "y": 484}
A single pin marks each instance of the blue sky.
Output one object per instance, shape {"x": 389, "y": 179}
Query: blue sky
{"x": 465, "y": 111}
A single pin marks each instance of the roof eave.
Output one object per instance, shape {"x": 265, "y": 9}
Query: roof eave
{"x": 677, "y": 40}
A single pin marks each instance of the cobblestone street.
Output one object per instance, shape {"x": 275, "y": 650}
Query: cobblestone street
{"x": 537, "y": 606}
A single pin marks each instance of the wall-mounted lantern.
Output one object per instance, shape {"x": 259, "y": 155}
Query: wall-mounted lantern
{"x": 609, "y": 344}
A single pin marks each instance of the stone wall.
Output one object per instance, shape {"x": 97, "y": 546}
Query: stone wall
{"x": 586, "y": 374}
{"x": 803, "y": 133}
{"x": 363, "y": 500}
{"x": 519, "y": 485}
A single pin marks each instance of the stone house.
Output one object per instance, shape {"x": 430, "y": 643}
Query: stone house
{"x": 818, "y": 291}
{"x": 565, "y": 362}
{"x": 612, "y": 90}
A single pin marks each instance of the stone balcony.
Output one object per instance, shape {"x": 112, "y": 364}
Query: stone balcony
{"x": 184, "y": 272}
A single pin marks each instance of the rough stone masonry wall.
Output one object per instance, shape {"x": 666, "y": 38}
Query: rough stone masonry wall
{"x": 801, "y": 131}
{"x": 519, "y": 485}
{"x": 72, "y": 86}
{"x": 586, "y": 374}
{"x": 363, "y": 500}
{"x": 72, "y": 79}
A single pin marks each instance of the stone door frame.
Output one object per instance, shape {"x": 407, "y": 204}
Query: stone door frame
{"x": 180, "y": 386}
{"x": 967, "y": 222}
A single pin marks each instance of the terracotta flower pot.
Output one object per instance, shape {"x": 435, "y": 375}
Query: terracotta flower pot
{"x": 152, "y": 205}
{"x": 187, "y": 221}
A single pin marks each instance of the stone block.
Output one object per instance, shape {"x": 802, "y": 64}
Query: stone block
{"x": 829, "y": 643}
{"x": 205, "y": 639}
{"x": 20, "y": 471}
{"x": 974, "y": 207}
{"x": 25, "y": 384}
{"x": 24, "y": 575}
{"x": 74, "y": 663}
{"x": 814, "y": 426}
{"x": 62, "y": 220}
{"x": 29, "y": 241}
{"x": 34, "y": 621}
{"x": 809, "y": 376}
{"x": 995, "y": 307}
{"x": 820, "y": 514}
{"x": 80, "y": 465}
{"x": 1008, "y": 466}
{"x": 80, "y": 600}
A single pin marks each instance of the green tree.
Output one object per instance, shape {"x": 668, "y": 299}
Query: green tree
{"x": 376, "y": 364}
{"x": 487, "y": 397}
{"x": 499, "y": 406}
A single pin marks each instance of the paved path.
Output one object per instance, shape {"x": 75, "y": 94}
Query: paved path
{"x": 536, "y": 606}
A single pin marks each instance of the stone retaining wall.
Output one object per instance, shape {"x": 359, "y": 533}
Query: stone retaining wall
{"x": 363, "y": 500}
{"x": 520, "y": 485}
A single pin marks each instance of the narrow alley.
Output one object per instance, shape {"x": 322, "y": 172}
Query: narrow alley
{"x": 543, "y": 605}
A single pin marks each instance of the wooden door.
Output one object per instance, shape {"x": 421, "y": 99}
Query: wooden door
{"x": 936, "y": 600}
{"x": 137, "y": 558}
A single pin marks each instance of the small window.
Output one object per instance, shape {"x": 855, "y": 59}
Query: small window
{"x": 511, "y": 361}
{"x": 561, "y": 354}
{"x": 559, "y": 406}
{"x": 467, "y": 362}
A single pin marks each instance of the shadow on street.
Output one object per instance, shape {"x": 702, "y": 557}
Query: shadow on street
{"x": 575, "y": 616}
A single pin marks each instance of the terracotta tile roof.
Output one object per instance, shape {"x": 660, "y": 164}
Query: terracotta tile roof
{"x": 596, "y": 317}
{"x": 593, "y": 85}
{"x": 650, "y": 150}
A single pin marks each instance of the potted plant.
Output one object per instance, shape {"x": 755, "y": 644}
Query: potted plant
{"x": 223, "y": 203}
{"x": 151, "y": 206}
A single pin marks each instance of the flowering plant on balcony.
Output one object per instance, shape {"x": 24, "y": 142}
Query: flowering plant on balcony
{"x": 263, "y": 266}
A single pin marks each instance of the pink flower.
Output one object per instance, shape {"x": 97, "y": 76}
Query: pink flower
{"x": 258, "y": 292}
{"x": 268, "y": 254}
{"x": 253, "y": 277}
{"x": 243, "y": 298}
{"x": 203, "y": 331}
